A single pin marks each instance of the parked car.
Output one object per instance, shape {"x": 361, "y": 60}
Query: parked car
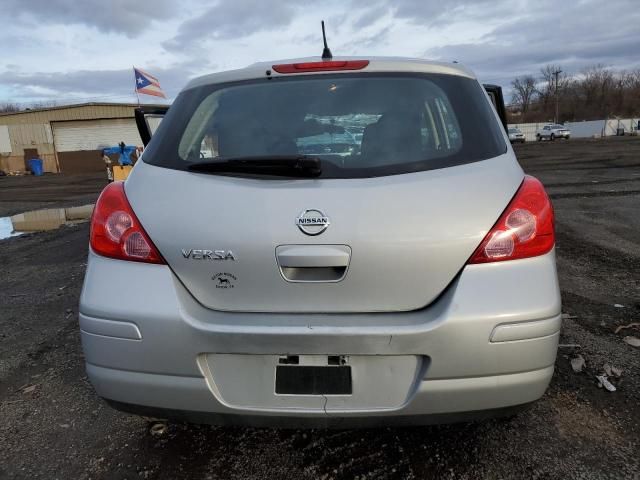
{"x": 553, "y": 131}
{"x": 515, "y": 135}
{"x": 410, "y": 280}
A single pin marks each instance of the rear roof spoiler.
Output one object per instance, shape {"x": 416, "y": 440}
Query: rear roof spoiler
{"x": 495, "y": 94}
{"x": 141, "y": 114}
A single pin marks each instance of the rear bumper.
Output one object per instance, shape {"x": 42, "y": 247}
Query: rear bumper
{"x": 437, "y": 401}
{"x": 325, "y": 421}
{"x": 488, "y": 343}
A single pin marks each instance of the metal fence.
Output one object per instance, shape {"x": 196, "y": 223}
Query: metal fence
{"x": 597, "y": 128}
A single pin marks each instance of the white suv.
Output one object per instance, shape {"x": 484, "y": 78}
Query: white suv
{"x": 553, "y": 131}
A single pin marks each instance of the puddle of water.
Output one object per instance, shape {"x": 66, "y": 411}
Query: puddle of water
{"x": 46, "y": 219}
{"x": 6, "y": 228}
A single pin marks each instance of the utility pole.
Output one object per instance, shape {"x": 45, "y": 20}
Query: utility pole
{"x": 556, "y": 73}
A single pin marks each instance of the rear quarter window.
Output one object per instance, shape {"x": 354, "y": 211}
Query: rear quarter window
{"x": 359, "y": 125}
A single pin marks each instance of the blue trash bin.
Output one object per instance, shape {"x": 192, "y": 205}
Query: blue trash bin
{"x": 35, "y": 165}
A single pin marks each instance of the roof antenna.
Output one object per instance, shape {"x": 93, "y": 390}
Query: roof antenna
{"x": 326, "y": 53}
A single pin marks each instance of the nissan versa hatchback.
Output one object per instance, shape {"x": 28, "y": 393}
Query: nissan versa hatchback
{"x": 343, "y": 242}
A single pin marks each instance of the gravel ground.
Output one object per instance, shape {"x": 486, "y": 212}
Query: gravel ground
{"x": 52, "y": 425}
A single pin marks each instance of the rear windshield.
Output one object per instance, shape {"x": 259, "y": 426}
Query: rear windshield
{"x": 361, "y": 125}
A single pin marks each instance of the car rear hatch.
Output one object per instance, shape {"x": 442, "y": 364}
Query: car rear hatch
{"x": 377, "y": 231}
{"x": 400, "y": 240}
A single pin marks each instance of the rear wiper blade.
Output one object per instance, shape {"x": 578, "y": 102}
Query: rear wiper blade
{"x": 280, "y": 165}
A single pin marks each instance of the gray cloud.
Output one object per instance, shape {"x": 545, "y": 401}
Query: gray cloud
{"x": 430, "y": 13}
{"x": 364, "y": 42}
{"x": 524, "y": 38}
{"x": 371, "y": 16}
{"x": 121, "y": 16}
{"x": 93, "y": 84}
{"x": 232, "y": 20}
{"x": 587, "y": 34}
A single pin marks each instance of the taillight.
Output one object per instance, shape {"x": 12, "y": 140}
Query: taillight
{"x": 321, "y": 66}
{"x": 116, "y": 232}
{"x": 525, "y": 229}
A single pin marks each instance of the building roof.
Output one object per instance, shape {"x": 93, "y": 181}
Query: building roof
{"x": 78, "y": 105}
{"x": 62, "y": 113}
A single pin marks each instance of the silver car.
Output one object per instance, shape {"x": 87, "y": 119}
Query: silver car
{"x": 409, "y": 280}
{"x": 515, "y": 135}
{"x": 553, "y": 131}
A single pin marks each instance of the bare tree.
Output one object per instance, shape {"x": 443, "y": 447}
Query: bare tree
{"x": 596, "y": 86}
{"x": 632, "y": 93}
{"x": 42, "y": 104}
{"x": 548, "y": 86}
{"x": 524, "y": 89}
{"x": 9, "y": 107}
{"x": 596, "y": 92}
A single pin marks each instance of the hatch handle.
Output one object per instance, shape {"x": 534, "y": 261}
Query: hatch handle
{"x": 313, "y": 263}
{"x": 313, "y": 255}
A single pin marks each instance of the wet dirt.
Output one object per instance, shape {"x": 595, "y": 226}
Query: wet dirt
{"x": 42, "y": 220}
{"x": 26, "y": 193}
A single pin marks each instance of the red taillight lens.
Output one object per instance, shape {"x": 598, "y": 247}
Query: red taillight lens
{"x": 525, "y": 229}
{"x": 321, "y": 66}
{"x": 116, "y": 232}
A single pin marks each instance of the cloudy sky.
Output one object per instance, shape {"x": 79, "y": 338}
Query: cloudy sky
{"x": 69, "y": 51}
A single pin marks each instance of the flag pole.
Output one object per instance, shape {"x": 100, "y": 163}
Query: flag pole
{"x": 135, "y": 85}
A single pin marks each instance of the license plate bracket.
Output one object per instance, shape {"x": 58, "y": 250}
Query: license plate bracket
{"x": 313, "y": 380}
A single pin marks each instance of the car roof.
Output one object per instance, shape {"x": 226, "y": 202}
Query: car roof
{"x": 376, "y": 64}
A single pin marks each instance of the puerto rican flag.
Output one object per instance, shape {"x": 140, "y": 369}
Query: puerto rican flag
{"x": 147, "y": 84}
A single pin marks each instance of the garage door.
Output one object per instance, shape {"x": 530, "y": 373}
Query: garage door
{"x": 82, "y": 135}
